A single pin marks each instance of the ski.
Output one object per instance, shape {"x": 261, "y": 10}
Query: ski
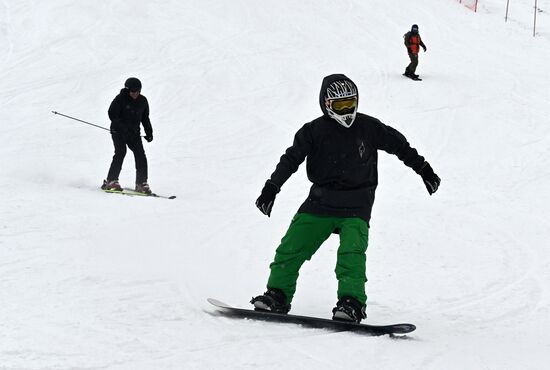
{"x": 312, "y": 322}
{"x": 413, "y": 78}
{"x": 132, "y": 193}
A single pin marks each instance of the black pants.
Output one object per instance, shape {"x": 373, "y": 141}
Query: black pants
{"x": 133, "y": 141}
{"x": 411, "y": 68}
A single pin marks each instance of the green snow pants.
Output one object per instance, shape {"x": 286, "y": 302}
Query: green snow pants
{"x": 411, "y": 68}
{"x": 304, "y": 237}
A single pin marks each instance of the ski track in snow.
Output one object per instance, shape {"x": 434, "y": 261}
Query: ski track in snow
{"x": 94, "y": 281}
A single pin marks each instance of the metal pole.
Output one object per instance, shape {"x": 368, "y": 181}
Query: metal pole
{"x": 507, "y": 4}
{"x": 79, "y": 120}
{"x": 535, "y": 20}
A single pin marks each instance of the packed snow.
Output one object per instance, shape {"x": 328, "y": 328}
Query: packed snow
{"x": 90, "y": 280}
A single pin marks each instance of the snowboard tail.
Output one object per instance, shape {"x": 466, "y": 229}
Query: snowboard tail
{"x": 312, "y": 322}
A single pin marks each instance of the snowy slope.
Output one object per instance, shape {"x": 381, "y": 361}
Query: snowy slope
{"x": 91, "y": 280}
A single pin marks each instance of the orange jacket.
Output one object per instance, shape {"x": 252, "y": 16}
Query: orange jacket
{"x": 413, "y": 42}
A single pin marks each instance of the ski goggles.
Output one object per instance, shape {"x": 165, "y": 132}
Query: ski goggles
{"x": 344, "y": 106}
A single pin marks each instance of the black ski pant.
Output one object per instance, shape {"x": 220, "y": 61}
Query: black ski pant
{"x": 132, "y": 141}
{"x": 411, "y": 68}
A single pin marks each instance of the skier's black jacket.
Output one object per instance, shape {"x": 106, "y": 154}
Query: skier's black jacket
{"x": 127, "y": 113}
{"x": 342, "y": 162}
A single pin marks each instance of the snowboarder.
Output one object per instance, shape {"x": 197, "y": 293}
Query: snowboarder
{"x": 128, "y": 110}
{"x": 413, "y": 42}
{"x": 341, "y": 150}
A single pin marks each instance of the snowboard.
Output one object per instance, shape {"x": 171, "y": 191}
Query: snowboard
{"x": 413, "y": 78}
{"x": 133, "y": 193}
{"x": 312, "y": 322}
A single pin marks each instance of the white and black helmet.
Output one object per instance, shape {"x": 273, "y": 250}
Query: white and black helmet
{"x": 341, "y": 101}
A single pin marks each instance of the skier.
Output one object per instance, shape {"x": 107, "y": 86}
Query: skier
{"x": 128, "y": 110}
{"x": 341, "y": 149}
{"x": 413, "y": 42}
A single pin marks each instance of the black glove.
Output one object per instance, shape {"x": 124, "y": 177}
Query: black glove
{"x": 431, "y": 180}
{"x": 267, "y": 198}
{"x": 425, "y": 48}
{"x": 149, "y": 138}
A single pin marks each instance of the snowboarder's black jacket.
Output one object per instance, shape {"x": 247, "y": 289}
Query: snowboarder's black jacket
{"x": 342, "y": 162}
{"x": 127, "y": 113}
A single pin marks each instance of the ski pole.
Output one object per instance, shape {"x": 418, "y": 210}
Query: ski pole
{"x": 88, "y": 123}
{"x": 79, "y": 120}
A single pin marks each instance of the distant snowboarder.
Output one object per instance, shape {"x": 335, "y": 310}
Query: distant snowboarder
{"x": 413, "y": 42}
{"x": 128, "y": 110}
{"x": 341, "y": 150}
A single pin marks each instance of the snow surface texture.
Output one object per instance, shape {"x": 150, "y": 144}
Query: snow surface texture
{"x": 90, "y": 280}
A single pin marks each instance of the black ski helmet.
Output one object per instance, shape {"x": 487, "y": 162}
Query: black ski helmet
{"x": 414, "y": 28}
{"x": 133, "y": 84}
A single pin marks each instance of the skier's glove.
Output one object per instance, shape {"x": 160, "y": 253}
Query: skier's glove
{"x": 267, "y": 198}
{"x": 149, "y": 138}
{"x": 425, "y": 48}
{"x": 431, "y": 180}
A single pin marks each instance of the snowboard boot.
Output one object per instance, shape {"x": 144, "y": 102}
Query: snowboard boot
{"x": 111, "y": 185}
{"x": 349, "y": 309}
{"x": 143, "y": 188}
{"x": 273, "y": 300}
{"x": 411, "y": 75}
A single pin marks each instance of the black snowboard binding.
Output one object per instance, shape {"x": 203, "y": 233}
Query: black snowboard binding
{"x": 349, "y": 309}
{"x": 412, "y": 76}
{"x": 273, "y": 300}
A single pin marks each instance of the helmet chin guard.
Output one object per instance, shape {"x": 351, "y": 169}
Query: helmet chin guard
{"x": 341, "y": 102}
{"x": 345, "y": 120}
